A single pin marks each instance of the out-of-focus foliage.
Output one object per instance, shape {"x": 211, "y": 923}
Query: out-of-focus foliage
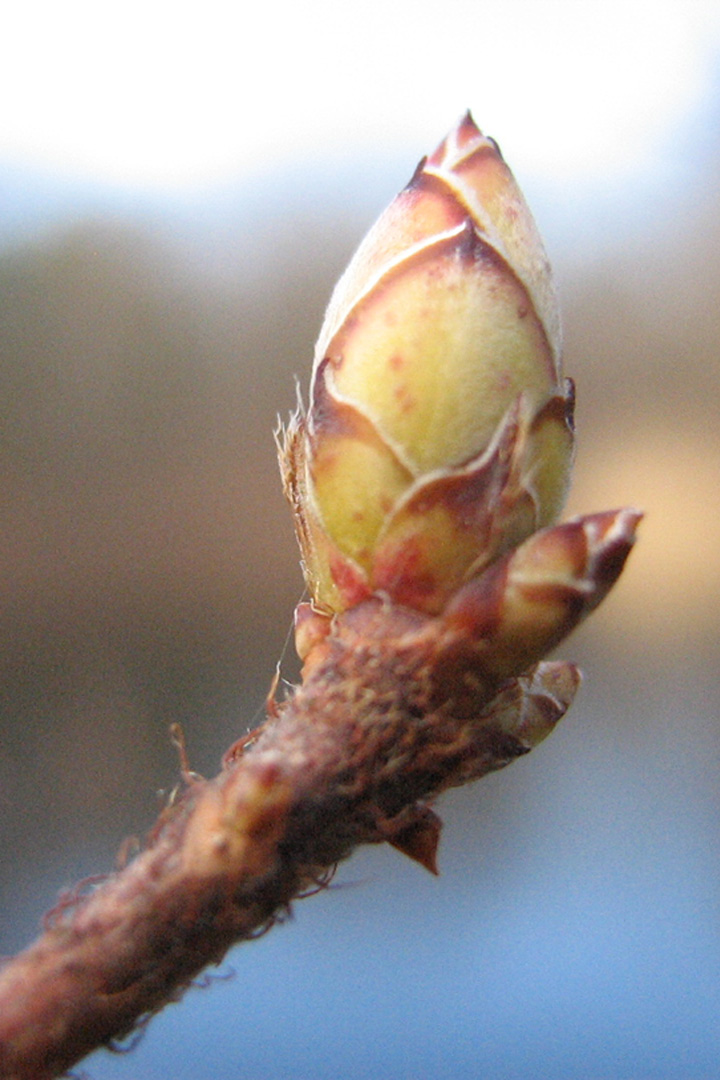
{"x": 148, "y": 574}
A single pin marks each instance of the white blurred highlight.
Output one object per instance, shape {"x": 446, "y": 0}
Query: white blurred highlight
{"x": 173, "y": 96}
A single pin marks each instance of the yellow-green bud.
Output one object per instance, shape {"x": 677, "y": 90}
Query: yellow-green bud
{"x": 439, "y": 429}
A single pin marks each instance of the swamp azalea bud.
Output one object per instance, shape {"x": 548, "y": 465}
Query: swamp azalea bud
{"x": 439, "y": 430}
{"x": 425, "y": 478}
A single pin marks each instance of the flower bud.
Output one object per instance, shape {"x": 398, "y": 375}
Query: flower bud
{"x": 439, "y": 430}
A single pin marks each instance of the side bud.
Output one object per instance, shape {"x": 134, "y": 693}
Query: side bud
{"x": 501, "y": 623}
{"x": 439, "y": 430}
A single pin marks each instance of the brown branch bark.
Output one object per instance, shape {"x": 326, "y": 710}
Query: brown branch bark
{"x": 394, "y": 707}
{"x": 345, "y": 762}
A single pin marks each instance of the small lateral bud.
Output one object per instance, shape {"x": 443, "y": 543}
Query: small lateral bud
{"x": 500, "y": 623}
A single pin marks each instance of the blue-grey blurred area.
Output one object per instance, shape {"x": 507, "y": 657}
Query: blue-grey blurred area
{"x": 148, "y": 574}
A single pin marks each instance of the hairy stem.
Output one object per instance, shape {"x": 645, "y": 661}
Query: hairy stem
{"x": 347, "y": 759}
{"x": 394, "y": 707}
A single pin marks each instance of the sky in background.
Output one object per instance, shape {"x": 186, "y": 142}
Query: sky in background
{"x": 158, "y": 95}
{"x": 575, "y": 931}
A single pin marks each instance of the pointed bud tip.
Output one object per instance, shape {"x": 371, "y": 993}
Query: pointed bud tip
{"x": 609, "y": 524}
{"x": 464, "y": 139}
{"x": 467, "y": 125}
{"x": 610, "y": 538}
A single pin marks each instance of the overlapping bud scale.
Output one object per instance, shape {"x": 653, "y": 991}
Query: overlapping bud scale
{"x": 439, "y": 430}
{"x": 434, "y": 457}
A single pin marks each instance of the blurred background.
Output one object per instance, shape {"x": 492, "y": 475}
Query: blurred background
{"x": 180, "y": 186}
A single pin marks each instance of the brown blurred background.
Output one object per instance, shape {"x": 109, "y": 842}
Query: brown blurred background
{"x": 148, "y": 574}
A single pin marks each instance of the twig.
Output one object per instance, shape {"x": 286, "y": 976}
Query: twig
{"x": 434, "y": 455}
{"x": 350, "y": 758}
